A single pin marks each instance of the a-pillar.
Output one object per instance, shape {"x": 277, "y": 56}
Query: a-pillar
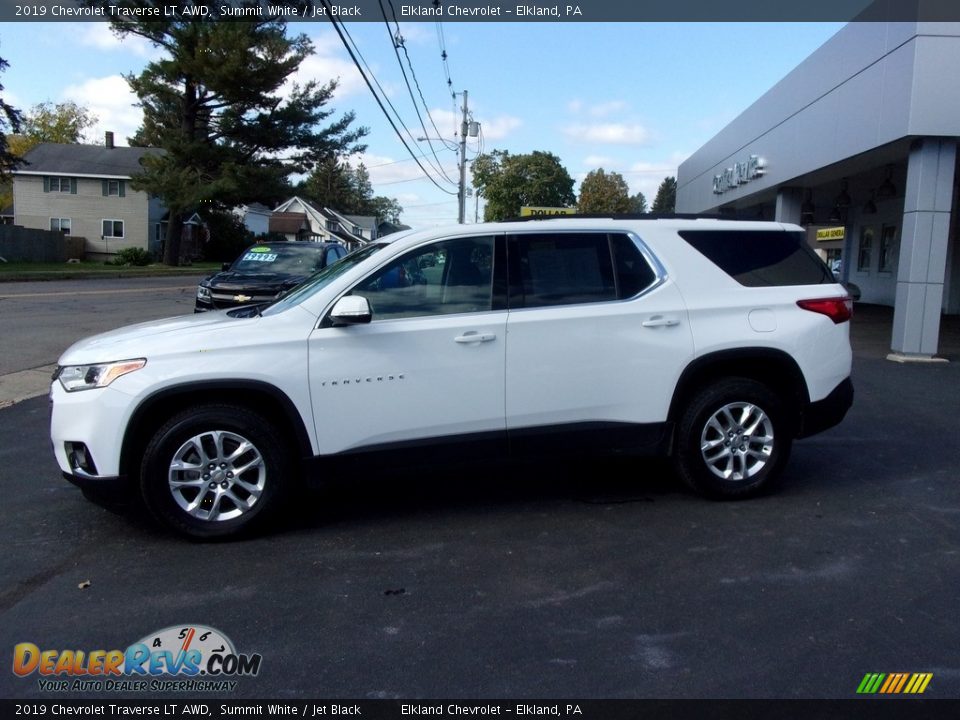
{"x": 923, "y": 249}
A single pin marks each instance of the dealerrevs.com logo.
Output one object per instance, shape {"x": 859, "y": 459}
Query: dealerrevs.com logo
{"x": 180, "y": 658}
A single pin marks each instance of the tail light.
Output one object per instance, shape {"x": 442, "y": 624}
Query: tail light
{"x": 838, "y": 309}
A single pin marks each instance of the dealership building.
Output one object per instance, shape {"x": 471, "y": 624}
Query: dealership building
{"x": 859, "y": 145}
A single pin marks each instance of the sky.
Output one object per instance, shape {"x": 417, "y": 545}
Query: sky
{"x": 635, "y": 98}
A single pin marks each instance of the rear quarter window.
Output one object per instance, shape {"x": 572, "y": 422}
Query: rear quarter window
{"x": 761, "y": 258}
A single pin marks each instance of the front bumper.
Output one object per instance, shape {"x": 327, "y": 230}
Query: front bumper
{"x": 95, "y": 420}
{"x": 824, "y": 414}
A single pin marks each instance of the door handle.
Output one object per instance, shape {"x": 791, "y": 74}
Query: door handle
{"x": 474, "y": 337}
{"x": 660, "y": 321}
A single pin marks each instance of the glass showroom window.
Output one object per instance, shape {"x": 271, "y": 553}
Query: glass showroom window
{"x": 865, "y": 249}
{"x": 887, "y": 240}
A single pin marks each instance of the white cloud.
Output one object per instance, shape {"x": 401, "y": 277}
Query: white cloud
{"x": 112, "y": 102}
{"x": 575, "y": 106}
{"x": 608, "y": 108}
{"x": 500, "y": 127}
{"x": 495, "y": 128}
{"x": 328, "y": 62}
{"x": 613, "y": 133}
{"x": 598, "y": 161}
{"x": 98, "y": 35}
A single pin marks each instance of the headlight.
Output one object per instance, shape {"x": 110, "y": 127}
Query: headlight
{"x": 88, "y": 377}
{"x": 203, "y": 293}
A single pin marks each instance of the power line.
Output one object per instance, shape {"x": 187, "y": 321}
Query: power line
{"x": 397, "y": 42}
{"x": 338, "y": 26}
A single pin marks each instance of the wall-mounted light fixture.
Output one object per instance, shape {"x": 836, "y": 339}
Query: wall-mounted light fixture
{"x": 887, "y": 189}
{"x": 842, "y": 201}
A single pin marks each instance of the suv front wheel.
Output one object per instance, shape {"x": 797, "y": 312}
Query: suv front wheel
{"x": 732, "y": 439}
{"x": 213, "y": 471}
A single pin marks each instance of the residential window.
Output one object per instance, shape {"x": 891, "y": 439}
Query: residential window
{"x": 113, "y": 188}
{"x": 887, "y": 248}
{"x": 60, "y": 184}
{"x": 113, "y": 228}
{"x": 331, "y": 225}
{"x": 60, "y": 224}
{"x": 865, "y": 249}
{"x": 358, "y": 231}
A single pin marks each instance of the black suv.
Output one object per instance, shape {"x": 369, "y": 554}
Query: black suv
{"x": 264, "y": 272}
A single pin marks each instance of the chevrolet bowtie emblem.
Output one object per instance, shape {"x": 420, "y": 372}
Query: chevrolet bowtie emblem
{"x": 241, "y": 298}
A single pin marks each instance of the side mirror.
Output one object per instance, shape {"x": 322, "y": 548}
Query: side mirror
{"x": 351, "y": 310}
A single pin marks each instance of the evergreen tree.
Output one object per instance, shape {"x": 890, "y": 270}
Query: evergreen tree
{"x": 219, "y": 106}
{"x": 638, "y": 203}
{"x": 666, "y": 199}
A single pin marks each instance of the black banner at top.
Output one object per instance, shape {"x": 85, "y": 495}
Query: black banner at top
{"x": 485, "y": 10}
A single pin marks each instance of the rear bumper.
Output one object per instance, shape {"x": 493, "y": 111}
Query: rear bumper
{"x": 826, "y": 413}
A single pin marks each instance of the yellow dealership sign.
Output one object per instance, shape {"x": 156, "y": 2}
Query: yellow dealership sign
{"x": 832, "y": 233}
{"x": 528, "y": 211}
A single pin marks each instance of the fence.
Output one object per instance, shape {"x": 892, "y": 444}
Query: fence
{"x": 20, "y": 244}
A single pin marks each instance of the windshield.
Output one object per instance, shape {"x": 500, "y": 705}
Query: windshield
{"x": 290, "y": 259}
{"x": 323, "y": 278}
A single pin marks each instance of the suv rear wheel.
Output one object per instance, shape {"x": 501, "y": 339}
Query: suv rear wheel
{"x": 213, "y": 471}
{"x": 733, "y": 440}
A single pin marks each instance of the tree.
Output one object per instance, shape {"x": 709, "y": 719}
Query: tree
{"x": 10, "y": 120}
{"x": 601, "y": 192}
{"x": 64, "y": 122}
{"x": 509, "y": 182}
{"x": 340, "y": 186}
{"x": 666, "y": 199}
{"x": 638, "y": 203}
{"x": 219, "y": 106}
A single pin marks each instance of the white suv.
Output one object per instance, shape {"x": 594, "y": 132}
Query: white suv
{"x": 714, "y": 342}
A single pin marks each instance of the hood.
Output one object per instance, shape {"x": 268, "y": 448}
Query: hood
{"x": 143, "y": 339}
{"x": 260, "y": 283}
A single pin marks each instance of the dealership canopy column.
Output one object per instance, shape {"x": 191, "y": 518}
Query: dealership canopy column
{"x": 923, "y": 247}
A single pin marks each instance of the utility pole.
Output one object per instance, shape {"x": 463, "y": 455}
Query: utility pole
{"x": 462, "y": 195}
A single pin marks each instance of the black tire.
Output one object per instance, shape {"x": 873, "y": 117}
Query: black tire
{"x": 732, "y": 439}
{"x": 214, "y": 502}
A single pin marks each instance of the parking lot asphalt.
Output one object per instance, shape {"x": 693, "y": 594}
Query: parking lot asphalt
{"x": 562, "y": 580}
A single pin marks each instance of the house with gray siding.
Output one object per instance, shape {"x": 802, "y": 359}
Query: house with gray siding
{"x": 85, "y": 191}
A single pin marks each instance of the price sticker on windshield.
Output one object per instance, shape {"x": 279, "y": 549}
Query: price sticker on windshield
{"x": 260, "y": 257}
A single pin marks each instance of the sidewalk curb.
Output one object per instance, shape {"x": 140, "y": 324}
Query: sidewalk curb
{"x": 25, "y": 384}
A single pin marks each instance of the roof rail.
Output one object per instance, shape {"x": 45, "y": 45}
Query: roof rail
{"x": 626, "y": 216}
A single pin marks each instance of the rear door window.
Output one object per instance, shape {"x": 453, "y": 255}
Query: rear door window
{"x": 761, "y": 258}
{"x": 549, "y": 269}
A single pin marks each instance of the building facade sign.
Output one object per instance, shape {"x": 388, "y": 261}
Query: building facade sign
{"x": 740, "y": 173}
{"x": 529, "y": 211}
{"x": 831, "y": 233}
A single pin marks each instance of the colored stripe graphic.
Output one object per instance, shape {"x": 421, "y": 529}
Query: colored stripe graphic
{"x": 894, "y": 683}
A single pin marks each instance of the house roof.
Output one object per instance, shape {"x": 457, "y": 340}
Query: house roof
{"x": 288, "y": 222}
{"x": 388, "y": 228}
{"x": 84, "y": 160}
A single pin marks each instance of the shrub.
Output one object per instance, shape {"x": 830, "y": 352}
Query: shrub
{"x": 132, "y": 256}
